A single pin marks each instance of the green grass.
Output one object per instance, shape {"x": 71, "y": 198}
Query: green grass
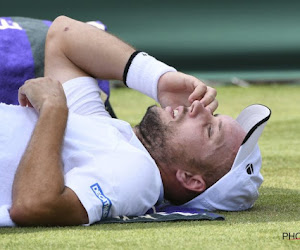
{"x": 276, "y": 211}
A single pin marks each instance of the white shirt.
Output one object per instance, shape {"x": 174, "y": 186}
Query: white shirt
{"x": 104, "y": 162}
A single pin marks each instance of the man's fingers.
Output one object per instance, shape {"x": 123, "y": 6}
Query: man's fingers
{"x": 22, "y": 97}
{"x": 22, "y": 93}
{"x": 198, "y": 92}
{"x": 213, "y": 106}
{"x": 209, "y": 96}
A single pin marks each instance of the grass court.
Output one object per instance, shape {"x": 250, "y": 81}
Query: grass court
{"x": 276, "y": 212}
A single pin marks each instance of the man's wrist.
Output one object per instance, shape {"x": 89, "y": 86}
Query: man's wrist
{"x": 49, "y": 106}
{"x": 143, "y": 72}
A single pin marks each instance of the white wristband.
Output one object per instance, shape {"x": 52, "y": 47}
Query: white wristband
{"x": 144, "y": 72}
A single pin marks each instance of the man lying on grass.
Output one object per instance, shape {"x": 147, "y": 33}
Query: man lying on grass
{"x": 65, "y": 161}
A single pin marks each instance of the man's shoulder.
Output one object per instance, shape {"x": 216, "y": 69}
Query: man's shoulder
{"x": 132, "y": 159}
{"x": 134, "y": 156}
{"x": 138, "y": 179}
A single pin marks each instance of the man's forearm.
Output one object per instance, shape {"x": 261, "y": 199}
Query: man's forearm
{"x": 94, "y": 51}
{"x": 39, "y": 178}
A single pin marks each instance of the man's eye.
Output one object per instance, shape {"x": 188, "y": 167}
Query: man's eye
{"x": 209, "y": 131}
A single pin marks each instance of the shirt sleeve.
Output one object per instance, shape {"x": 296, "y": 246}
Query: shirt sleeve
{"x": 119, "y": 185}
{"x": 89, "y": 190}
{"x": 84, "y": 97}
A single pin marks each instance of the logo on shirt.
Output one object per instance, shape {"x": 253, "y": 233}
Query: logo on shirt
{"x": 106, "y": 203}
{"x": 249, "y": 169}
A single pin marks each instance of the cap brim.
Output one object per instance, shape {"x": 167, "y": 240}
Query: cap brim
{"x": 253, "y": 119}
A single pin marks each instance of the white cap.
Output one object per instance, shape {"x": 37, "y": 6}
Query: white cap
{"x": 238, "y": 189}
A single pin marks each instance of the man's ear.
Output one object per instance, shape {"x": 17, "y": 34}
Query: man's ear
{"x": 190, "y": 181}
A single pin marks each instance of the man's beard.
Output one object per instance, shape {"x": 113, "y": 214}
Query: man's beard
{"x": 154, "y": 134}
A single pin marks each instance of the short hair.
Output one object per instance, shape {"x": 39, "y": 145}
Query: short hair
{"x": 211, "y": 173}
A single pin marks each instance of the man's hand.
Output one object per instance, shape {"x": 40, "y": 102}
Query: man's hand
{"x": 35, "y": 92}
{"x": 175, "y": 88}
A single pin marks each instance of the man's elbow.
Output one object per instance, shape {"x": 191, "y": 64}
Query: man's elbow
{"x": 57, "y": 27}
{"x": 28, "y": 214}
{"x": 18, "y": 215}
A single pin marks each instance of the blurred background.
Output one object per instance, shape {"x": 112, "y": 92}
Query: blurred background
{"x": 219, "y": 40}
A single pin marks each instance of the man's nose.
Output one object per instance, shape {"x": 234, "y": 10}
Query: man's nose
{"x": 198, "y": 108}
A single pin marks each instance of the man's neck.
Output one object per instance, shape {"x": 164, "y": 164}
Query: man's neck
{"x": 173, "y": 191}
{"x": 136, "y": 131}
